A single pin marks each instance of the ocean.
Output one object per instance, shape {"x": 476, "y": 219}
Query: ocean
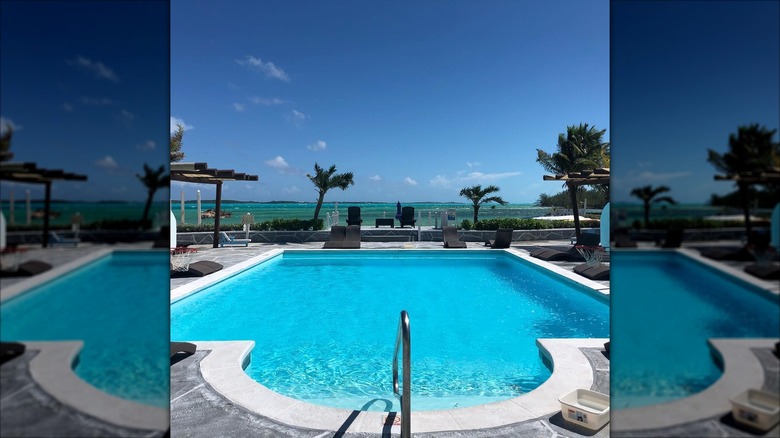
{"x": 62, "y": 212}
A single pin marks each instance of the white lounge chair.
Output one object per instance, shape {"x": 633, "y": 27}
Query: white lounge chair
{"x": 57, "y": 240}
{"x": 225, "y": 240}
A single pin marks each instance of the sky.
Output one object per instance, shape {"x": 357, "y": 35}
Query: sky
{"x": 417, "y": 99}
{"x": 685, "y": 75}
{"x": 85, "y": 86}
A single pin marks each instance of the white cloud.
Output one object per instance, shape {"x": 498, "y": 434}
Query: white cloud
{"x": 268, "y": 68}
{"x": 177, "y": 121}
{"x": 5, "y": 123}
{"x": 488, "y": 177}
{"x": 67, "y": 107}
{"x": 95, "y": 101}
{"x": 107, "y": 163}
{"x": 473, "y": 164}
{"x": 652, "y": 177}
{"x": 265, "y": 101}
{"x": 128, "y": 115}
{"x": 290, "y": 190}
{"x": 98, "y": 68}
{"x": 441, "y": 181}
{"x": 239, "y": 106}
{"x": 148, "y": 145}
{"x": 410, "y": 182}
{"x": 296, "y": 117}
{"x": 319, "y": 145}
{"x": 375, "y": 178}
{"x": 278, "y": 163}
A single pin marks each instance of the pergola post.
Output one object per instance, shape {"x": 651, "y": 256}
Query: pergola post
{"x": 217, "y": 211}
{"x": 46, "y": 212}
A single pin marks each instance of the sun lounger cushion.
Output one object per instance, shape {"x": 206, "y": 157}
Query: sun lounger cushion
{"x": 600, "y": 272}
{"x": 554, "y": 255}
{"x": 198, "y": 269}
{"x": 450, "y": 238}
{"x": 766, "y": 271}
{"x": 503, "y": 239}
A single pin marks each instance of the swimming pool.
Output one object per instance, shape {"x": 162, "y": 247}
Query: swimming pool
{"x": 665, "y": 306}
{"x": 117, "y": 305}
{"x": 325, "y": 322}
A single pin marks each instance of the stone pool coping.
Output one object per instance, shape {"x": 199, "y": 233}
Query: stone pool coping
{"x": 52, "y": 370}
{"x": 223, "y": 370}
{"x": 742, "y": 370}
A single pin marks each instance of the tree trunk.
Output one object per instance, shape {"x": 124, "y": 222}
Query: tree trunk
{"x": 744, "y": 194}
{"x": 476, "y": 213}
{"x": 147, "y": 207}
{"x": 319, "y": 206}
{"x": 575, "y": 210}
{"x": 647, "y": 214}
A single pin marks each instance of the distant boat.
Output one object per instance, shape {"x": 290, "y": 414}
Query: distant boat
{"x": 211, "y": 214}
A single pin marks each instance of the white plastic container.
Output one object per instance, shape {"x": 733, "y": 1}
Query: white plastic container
{"x": 585, "y": 407}
{"x": 756, "y": 408}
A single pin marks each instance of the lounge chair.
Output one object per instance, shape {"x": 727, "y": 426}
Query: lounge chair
{"x": 503, "y": 239}
{"x": 353, "y": 216}
{"x": 343, "y": 237}
{"x": 10, "y": 350}
{"x": 570, "y": 255}
{"x": 674, "y": 238}
{"x": 450, "y": 237}
{"x": 764, "y": 271}
{"x": 600, "y": 272}
{"x": 407, "y": 217}
{"x": 28, "y": 269}
{"x": 182, "y": 347}
{"x": 197, "y": 269}
{"x": 56, "y": 240}
{"x": 225, "y": 240}
{"x": 623, "y": 240}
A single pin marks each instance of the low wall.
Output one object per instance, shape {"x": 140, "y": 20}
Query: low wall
{"x": 375, "y": 235}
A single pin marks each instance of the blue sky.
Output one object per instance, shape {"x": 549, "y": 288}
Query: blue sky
{"x": 417, "y": 99}
{"x": 685, "y": 75}
{"x": 85, "y": 86}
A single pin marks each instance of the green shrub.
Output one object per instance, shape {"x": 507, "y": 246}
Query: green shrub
{"x": 527, "y": 224}
{"x": 466, "y": 224}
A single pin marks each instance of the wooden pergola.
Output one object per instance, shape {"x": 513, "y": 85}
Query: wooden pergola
{"x": 30, "y": 173}
{"x": 598, "y": 176}
{"x": 200, "y": 173}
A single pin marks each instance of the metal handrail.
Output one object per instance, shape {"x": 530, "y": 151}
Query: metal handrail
{"x": 406, "y": 397}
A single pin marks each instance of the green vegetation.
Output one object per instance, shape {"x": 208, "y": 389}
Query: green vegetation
{"x": 520, "y": 224}
{"x": 648, "y": 195}
{"x": 595, "y": 198}
{"x": 153, "y": 180}
{"x": 581, "y": 148}
{"x": 325, "y": 180}
{"x": 176, "y": 143}
{"x": 272, "y": 225}
{"x": 477, "y": 195}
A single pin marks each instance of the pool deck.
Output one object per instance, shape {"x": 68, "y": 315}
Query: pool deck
{"x": 40, "y": 395}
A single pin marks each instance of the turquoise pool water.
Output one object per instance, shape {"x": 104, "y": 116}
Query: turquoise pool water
{"x": 325, "y": 324}
{"x": 118, "y": 305}
{"x": 664, "y": 308}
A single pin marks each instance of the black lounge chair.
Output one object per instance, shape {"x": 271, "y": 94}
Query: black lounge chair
{"x": 407, "y": 217}
{"x": 764, "y": 271}
{"x": 600, "y": 272}
{"x": 182, "y": 347}
{"x": 342, "y": 237}
{"x": 197, "y": 269}
{"x": 503, "y": 239}
{"x": 674, "y": 238}
{"x": 570, "y": 255}
{"x": 621, "y": 239}
{"x": 28, "y": 269}
{"x": 450, "y": 237}
{"x": 353, "y": 216}
{"x": 10, "y": 350}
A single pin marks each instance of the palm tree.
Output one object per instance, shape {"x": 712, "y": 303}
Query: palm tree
{"x": 176, "y": 140}
{"x": 5, "y": 143}
{"x": 581, "y": 148}
{"x": 648, "y": 196}
{"x": 153, "y": 180}
{"x": 325, "y": 180}
{"x": 477, "y": 196}
{"x": 750, "y": 150}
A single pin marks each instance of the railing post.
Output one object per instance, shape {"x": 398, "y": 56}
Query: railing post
{"x": 404, "y": 335}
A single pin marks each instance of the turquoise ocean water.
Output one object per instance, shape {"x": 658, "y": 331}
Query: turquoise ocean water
{"x": 369, "y": 211}
{"x": 90, "y": 212}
